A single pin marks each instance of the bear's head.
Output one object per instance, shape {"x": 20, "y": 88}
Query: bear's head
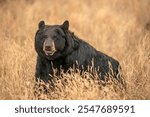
{"x": 54, "y": 41}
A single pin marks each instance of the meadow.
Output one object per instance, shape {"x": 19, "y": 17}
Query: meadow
{"x": 119, "y": 28}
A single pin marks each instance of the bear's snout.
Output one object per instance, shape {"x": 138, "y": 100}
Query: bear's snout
{"x": 49, "y": 47}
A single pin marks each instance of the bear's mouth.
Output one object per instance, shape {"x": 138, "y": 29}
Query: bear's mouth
{"x": 50, "y": 53}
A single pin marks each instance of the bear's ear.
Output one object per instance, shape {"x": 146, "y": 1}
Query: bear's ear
{"x": 65, "y": 25}
{"x": 41, "y": 25}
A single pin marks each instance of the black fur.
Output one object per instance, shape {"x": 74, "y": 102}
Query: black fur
{"x": 70, "y": 51}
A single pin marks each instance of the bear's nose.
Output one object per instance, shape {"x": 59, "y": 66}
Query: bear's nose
{"x": 48, "y": 48}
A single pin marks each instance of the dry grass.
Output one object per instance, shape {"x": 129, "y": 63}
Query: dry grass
{"x": 116, "y": 28}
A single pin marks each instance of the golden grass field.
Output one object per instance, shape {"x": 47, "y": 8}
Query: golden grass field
{"x": 119, "y": 28}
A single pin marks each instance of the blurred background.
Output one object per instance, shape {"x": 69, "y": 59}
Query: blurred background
{"x": 118, "y": 28}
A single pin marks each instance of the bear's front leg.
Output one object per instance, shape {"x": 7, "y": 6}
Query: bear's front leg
{"x": 49, "y": 73}
{"x": 40, "y": 73}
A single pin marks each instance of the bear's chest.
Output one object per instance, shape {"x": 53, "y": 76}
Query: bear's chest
{"x": 59, "y": 64}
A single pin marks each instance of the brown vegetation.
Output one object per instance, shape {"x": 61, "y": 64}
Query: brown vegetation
{"x": 113, "y": 27}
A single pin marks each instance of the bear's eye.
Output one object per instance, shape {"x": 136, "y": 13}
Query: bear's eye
{"x": 63, "y": 36}
{"x": 55, "y": 38}
{"x": 44, "y": 36}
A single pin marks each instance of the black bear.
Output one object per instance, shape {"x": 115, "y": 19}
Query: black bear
{"x": 58, "y": 48}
